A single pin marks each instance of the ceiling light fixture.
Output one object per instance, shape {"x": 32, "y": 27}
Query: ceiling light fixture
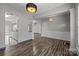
{"x": 50, "y": 19}
{"x": 31, "y": 7}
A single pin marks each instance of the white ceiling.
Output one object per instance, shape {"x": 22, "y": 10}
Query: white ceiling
{"x": 41, "y": 7}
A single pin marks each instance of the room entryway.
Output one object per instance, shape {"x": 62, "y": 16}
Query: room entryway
{"x": 11, "y": 29}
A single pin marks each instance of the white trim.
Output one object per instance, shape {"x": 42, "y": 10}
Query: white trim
{"x": 78, "y": 51}
{"x": 2, "y": 46}
{"x": 72, "y": 49}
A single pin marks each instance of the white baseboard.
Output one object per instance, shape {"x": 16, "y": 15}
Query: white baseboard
{"x": 78, "y": 51}
{"x": 2, "y": 46}
{"x": 55, "y": 37}
{"x": 73, "y": 49}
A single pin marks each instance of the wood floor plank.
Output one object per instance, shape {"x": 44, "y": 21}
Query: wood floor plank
{"x": 42, "y": 46}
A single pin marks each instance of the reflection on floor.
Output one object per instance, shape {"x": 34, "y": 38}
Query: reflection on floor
{"x": 40, "y": 47}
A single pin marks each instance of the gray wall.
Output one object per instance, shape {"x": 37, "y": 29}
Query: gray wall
{"x": 23, "y": 33}
{"x": 59, "y": 28}
{"x": 37, "y": 26}
{"x": 23, "y": 21}
{"x": 2, "y": 27}
{"x": 61, "y": 23}
{"x": 78, "y": 25}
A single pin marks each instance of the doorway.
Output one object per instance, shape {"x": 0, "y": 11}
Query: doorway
{"x": 11, "y": 29}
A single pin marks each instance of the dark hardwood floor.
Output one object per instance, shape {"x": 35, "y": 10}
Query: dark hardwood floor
{"x": 39, "y": 47}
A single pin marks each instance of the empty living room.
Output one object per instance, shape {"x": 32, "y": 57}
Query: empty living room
{"x": 39, "y": 29}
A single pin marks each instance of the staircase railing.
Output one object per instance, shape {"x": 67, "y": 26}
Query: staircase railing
{"x": 11, "y": 38}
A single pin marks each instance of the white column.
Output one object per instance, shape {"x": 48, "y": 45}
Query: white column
{"x": 72, "y": 30}
{"x": 32, "y": 30}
